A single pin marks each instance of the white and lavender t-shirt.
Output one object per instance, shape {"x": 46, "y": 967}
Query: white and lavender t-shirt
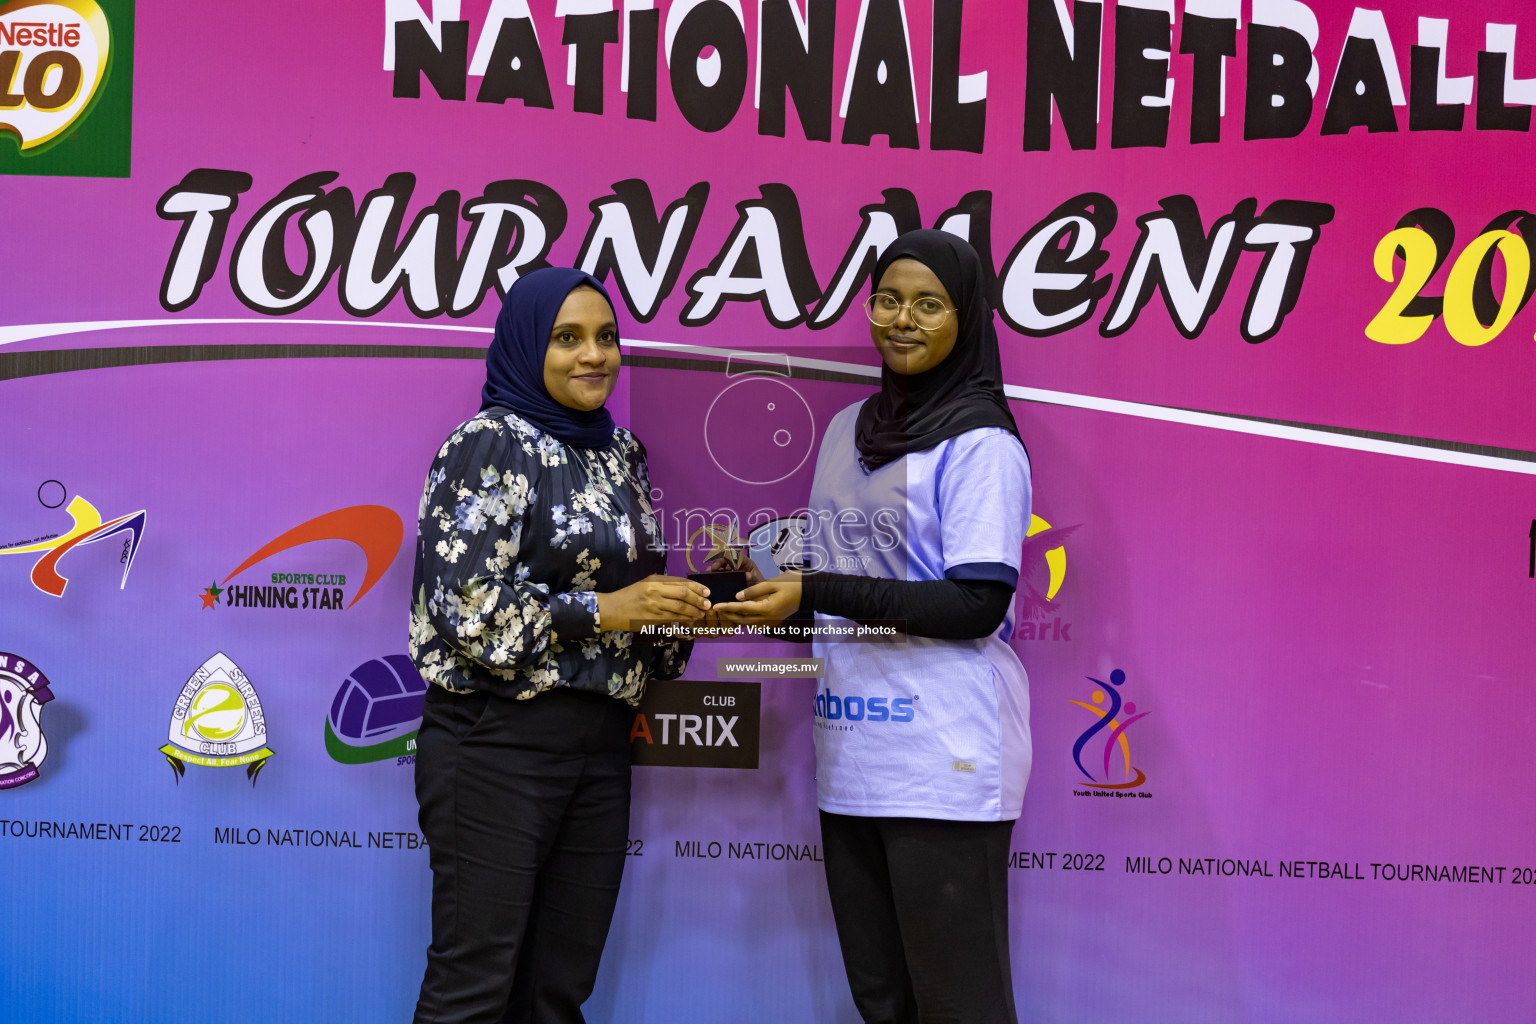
{"x": 930, "y": 728}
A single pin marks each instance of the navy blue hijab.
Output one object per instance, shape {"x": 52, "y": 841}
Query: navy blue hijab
{"x": 514, "y": 364}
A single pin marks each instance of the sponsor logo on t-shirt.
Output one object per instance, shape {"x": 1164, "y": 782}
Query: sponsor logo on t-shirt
{"x": 831, "y": 707}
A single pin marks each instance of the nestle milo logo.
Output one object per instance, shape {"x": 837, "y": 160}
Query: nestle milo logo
{"x": 57, "y": 58}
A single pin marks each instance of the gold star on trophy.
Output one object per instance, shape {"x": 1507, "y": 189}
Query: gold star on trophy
{"x": 723, "y": 573}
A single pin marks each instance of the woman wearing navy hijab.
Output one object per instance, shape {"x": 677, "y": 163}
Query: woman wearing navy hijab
{"x": 538, "y": 549}
{"x": 922, "y": 748}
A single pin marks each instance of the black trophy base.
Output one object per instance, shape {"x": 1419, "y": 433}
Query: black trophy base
{"x": 723, "y": 586}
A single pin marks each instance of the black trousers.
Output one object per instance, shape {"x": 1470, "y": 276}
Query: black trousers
{"x": 922, "y": 917}
{"x": 525, "y": 807}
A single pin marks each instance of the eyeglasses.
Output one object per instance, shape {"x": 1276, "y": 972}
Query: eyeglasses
{"x": 928, "y": 313}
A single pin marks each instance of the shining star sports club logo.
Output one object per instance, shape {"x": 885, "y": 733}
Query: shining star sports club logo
{"x": 373, "y": 528}
{"x": 1044, "y": 569}
{"x": 87, "y": 527}
{"x": 66, "y": 89}
{"x": 23, "y": 692}
{"x": 217, "y": 722}
{"x": 376, "y": 713}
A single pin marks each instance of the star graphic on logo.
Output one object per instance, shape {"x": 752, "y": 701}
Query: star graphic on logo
{"x": 211, "y": 596}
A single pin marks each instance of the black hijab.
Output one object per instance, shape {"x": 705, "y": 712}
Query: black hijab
{"x": 914, "y": 412}
{"x": 514, "y": 364}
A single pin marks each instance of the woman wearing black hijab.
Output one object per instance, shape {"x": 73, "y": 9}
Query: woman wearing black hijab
{"x": 923, "y": 747}
{"x": 538, "y": 549}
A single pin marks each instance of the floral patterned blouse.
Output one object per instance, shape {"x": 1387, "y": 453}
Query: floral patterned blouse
{"x": 517, "y": 535}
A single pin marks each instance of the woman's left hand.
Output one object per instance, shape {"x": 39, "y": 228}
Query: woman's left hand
{"x": 772, "y": 601}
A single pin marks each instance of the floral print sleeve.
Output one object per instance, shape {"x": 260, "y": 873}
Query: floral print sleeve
{"x": 517, "y": 535}
{"x": 478, "y": 597}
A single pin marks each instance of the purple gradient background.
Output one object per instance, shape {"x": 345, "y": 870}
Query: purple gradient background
{"x": 1333, "y": 646}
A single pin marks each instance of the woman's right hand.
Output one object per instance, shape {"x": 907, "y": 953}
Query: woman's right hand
{"x": 653, "y": 599}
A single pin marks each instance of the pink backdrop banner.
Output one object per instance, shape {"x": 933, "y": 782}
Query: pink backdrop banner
{"x": 1262, "y": 273}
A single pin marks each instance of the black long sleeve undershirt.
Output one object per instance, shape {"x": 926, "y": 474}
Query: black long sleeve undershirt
{"x": 943, "y": 609}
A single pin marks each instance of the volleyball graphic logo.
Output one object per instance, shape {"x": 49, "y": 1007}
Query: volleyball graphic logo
{"x": 217, "y": 721}
{"x": 23, "y": 692}
{"x": 376, "y": 712}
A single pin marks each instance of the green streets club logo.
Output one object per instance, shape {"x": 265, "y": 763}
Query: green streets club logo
{"x": 66, "y": 87}
{"x": 217, "y": 721}
{"x": 373, "y": 528}
{"x": 87, "y": 528}
{"x": 1043, "y": 568}
{"x": 23, "y": 692}
{"x": 376, "y": 712}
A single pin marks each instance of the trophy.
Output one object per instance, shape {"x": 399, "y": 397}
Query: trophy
{"x": 727, "y": 554}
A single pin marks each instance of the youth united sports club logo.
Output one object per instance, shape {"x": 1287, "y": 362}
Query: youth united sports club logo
{"x": 1112, "y": 773}
{"x": 23, "y": 692}
{"x": 217, "y": 721}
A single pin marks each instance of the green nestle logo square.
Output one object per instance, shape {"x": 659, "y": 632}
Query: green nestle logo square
{"x": 66, "y": 87}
